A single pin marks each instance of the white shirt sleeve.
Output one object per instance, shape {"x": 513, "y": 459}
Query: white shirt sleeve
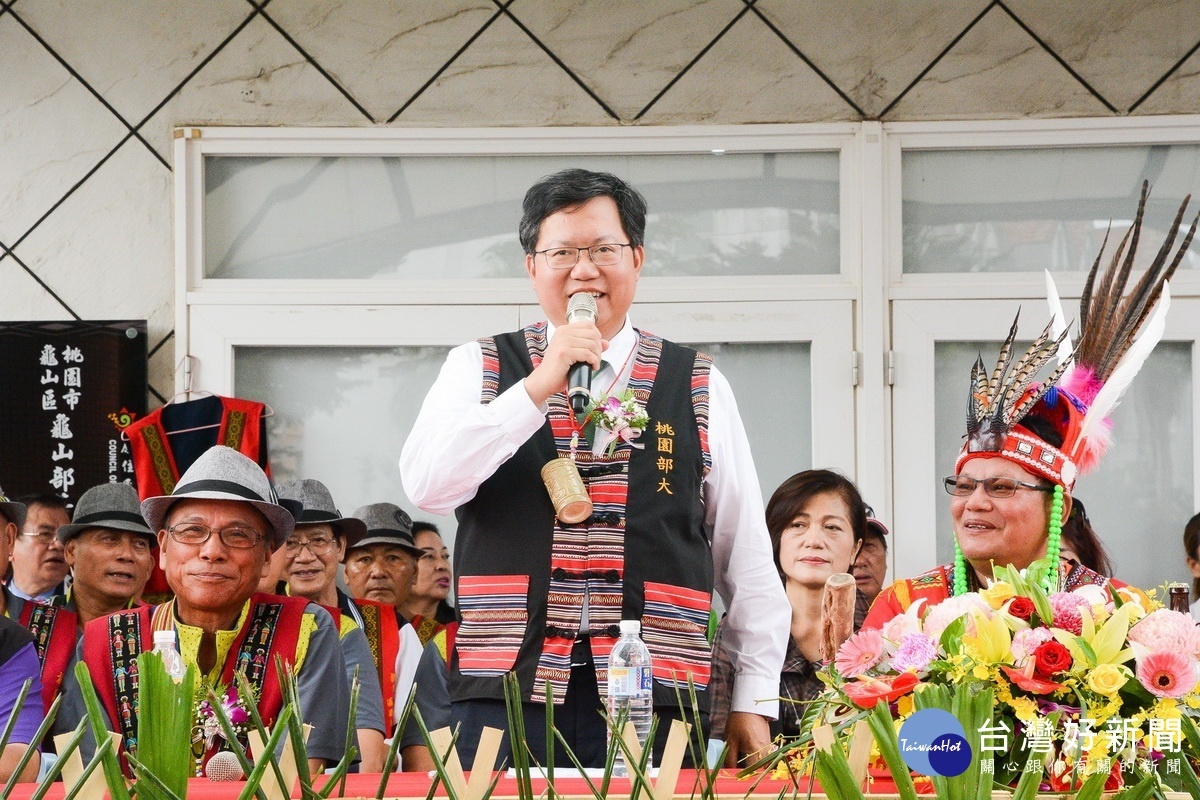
{"x": 407, "y": 661}
{"x": 457, "y": 443}
{"x": 759, "y": 616}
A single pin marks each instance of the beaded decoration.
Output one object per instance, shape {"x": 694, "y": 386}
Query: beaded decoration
{"x": 1053, "y": 550}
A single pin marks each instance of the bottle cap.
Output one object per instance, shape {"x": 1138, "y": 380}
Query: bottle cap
{"x": 631, "y": 626}
{"x": 164, "y": 637}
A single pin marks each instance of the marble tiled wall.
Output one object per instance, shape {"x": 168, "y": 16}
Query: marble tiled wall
{"x": 91, "y": 89}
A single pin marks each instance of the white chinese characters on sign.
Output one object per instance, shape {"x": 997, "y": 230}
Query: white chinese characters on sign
{"x": 62, "y": 478}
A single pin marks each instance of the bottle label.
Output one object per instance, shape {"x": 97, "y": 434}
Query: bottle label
{"x": 629, "y": 681}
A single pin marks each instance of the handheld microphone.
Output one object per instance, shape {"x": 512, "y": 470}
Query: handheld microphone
{"x": 223, "y": 766}
{"x": 582, "y": 306}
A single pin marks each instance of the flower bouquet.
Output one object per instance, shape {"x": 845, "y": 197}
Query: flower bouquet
{"x": 1062, "y": 692}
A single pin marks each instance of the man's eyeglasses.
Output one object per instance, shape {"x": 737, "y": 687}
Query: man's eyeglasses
{"x": 317, "y": 545}
{"x": 602, "y": 255}
{"x": 235, "y": 537}
{"x": 962, "y": 486}
{"x": 41, "y": 537}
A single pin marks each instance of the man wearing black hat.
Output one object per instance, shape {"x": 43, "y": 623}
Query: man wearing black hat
{"x": 216, "y": 533}
{"x": 677, "y": 508}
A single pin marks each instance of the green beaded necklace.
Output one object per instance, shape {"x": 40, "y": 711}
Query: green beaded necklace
{"x": 1053, "y": 548}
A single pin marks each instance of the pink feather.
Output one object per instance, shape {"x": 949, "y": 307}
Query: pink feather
{"x": 1081, "y": 383}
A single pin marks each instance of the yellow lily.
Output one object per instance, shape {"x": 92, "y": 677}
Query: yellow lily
{"x": 1106, "y": 644}
{"x": 992, "y": 641}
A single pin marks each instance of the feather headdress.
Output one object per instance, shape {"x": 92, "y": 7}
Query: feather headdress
{"x": 1061, "y": 427}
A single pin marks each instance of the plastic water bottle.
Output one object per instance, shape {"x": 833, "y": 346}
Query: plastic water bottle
{"x": 630, "y": 691}
{"x": 164, "y": 647}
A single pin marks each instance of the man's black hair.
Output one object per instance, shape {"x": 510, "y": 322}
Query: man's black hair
{"x": 574, "y": 187}
{"x": 45, "y": 500}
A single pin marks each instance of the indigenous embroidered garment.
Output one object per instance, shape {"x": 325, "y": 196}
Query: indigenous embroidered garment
{"x": 936, "y": 585}
{"x": 269, "y": 626}
{"x": 55, "y": 632}
{"x": 644, "y": 553}
{"x": 382, "y": 629}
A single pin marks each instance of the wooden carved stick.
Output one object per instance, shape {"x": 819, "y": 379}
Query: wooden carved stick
{"x": 837, "y": 613}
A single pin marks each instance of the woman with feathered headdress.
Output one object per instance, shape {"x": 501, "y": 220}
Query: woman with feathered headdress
{"x": 1027, "y": 443}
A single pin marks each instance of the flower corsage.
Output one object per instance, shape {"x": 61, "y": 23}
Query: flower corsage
{"x": 610, "y": 419}
{"x": 207, "y": 732}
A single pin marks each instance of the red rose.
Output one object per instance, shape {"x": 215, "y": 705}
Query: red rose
{"x": 1021, "y": 608}
{"x": 866, "y": 692}
{"x": 1051, "y": 658}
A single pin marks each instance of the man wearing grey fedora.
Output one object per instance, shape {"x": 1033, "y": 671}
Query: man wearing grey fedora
{"x": 216, "y": 533}
{"x": 676, "y": 510}
{"x": 109, "y": 550}
{"x": 308, "y": 564}
{"x": 379, "y": 569}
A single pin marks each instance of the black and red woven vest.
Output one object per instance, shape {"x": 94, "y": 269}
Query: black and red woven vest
{"x": 111, "y": 645}
{"x": 644, "y": 553}
{"x": 382, "y": 628}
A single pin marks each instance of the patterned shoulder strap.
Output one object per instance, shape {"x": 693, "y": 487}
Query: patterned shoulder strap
{"x": 701, "y": 371}
{"x": 491, "y": 370}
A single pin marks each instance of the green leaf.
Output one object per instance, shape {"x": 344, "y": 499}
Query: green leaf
{"x": 951, "y": 639}
{"x": 833, "y": 771}
{"x": 393, "y": 759}
{"x": 164, "y": 756}
{"x": 1028, "y": 785}
{"x": 56, "y": 768}
{"x": 113, "y": 776}
{"x": 253, "y": 787}
{"x": 880, "y": 721}
{"x": 38, "y": 736}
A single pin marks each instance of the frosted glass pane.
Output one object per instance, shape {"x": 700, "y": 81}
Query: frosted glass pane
{"x": 341, "y": 415}
{"x": 1025, "y": 210}
{"x": 1140, "y": 497}
{"x": 456, "y": 217}
{"x": 779, "y": 421}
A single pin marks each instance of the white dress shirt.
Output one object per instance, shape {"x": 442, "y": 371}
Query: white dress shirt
{"x": 457, "y": 443}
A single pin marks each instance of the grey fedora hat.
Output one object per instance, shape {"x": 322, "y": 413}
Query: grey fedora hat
{"x": 109, "y": 505}
{"x": 317, "y": 508}
{"x": 386, "y": 523}
{"x": 223, "y": 473}
{"x": 13, "y": 512}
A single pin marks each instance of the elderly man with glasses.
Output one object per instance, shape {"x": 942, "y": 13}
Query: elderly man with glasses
{"x": 216, "y": 533}
{"x": 38, "y": 563}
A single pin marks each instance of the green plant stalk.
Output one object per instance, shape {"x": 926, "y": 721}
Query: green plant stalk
{"x": 550, "y": 740}
{"x": 833, "y": 771}
{"x": 516, "y": 734}
{"x": 38, "y": 736}
{"x": 57, "y": 767}
{"x": 884, "y": 731}
{"x": 1029, "y": 782}
{"x": 1141, "y": 791}
{"x": 113, "y": 775}
{"x": 287, "y": 679}
{"x": 575, "y": 762}
{"x": 639, "y": 768}
{"x": 164, "y": 728}
{"x": 393, "y": 756}
{"x": 144, "y": 774}
{"x": 12, "y": 718}
{"x": 1191, "y": 781}
{"x": 337, "y": 776}
{"x": 103, "y": 752}
{"x": 253, "y": 787}
{"x": 439, "y": 763}
{"x": 351, "y": 732}
{"x": 231, "y": 736}
{"x": 1093, "y": 787}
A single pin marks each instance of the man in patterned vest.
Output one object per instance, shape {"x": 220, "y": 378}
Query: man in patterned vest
{"x": 674, "y": 517}
{"x": 109, "y": 551}
{"x": 216, "y": 533}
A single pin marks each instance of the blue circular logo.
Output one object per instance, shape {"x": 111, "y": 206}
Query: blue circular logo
{"x": 934, "y": 742}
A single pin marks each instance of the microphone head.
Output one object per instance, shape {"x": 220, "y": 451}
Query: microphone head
{"x": 581, "y": 306}
{"x": 223, "y": 766}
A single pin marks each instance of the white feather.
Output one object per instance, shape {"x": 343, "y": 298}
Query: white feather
{"x": 1058, "y": 320}
{"x": 1127, "y": 368}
